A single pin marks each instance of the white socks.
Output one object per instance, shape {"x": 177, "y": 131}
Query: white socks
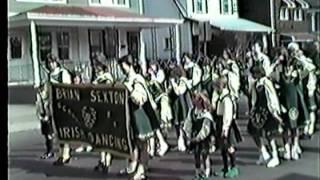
{"x": 163, "y": 144}
{"x": 66, "y": 152}
{"x": 274, "y": 162}
{"x": 287, "y": 154}
{"x": 265, "y": 154}
{"x": 181, "y": 144}
{"x": 312, "y": 123}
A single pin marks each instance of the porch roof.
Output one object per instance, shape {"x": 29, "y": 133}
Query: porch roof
{"x": 301, "y": 37}
{"x": 238, "y": 24}
{"x": 88, "y": 16}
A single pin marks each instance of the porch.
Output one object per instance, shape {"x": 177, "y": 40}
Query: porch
{"x": 73, "y": 34}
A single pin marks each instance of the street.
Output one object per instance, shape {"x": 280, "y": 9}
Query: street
{"x": 27, "y": 145}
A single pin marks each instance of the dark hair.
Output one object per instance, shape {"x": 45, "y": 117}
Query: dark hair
{"x": 258, "y": 71}
{"x": 128, "y": 59}
{"x": 51, "y": 58}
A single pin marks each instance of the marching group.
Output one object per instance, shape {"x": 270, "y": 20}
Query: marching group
{"x": 199, "y": 98}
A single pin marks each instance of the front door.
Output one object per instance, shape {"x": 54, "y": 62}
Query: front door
{"x": 133, "y": 43}
{"x": 96, "y": 41}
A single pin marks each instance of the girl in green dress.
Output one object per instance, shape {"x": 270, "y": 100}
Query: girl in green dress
{"x": 198, "y": 128}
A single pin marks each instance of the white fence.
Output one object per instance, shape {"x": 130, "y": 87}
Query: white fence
{"x": 22, "y": 73}
{"x": 19, "y": 73}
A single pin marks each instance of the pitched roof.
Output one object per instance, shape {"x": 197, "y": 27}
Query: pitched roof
{"x": 81, "y": 14}
{"x": 85, "y": 10}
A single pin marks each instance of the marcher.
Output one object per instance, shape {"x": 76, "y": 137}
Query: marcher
{"x": 227, "y": 131}
{"x": 45, "y": 117}
{"x": 143, "y": 116}
{"x": 265, "y": 122}
{"x": 198, "y": 127}
{"x": 157, "y": 89}
{"x": 181, "y": 103}
{"x": 59, "y": 74}
{"x": 193, "y": 73}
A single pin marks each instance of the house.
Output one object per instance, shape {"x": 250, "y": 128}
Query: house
{"x": 292, "y": 20}
{"x": 217, "y": 24}
{"x": 73, "y": 30}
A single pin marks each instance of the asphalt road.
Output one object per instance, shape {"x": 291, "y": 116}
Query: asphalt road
{"x": 26, "y": 147}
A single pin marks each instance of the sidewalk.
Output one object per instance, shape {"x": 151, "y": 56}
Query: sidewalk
{"x": 22, "y": 118}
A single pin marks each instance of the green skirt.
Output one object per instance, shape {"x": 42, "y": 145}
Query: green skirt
{"x": 141, "y": 123}
{"x": 180, "y": 109}
{"x": 289, "y": 96}
{"x": 304, "y": 116}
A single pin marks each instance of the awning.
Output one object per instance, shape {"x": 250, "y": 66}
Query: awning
{"x": 300, "y": 37}
{"x": 238, "y": 24}
{"x": 90, "y": 16}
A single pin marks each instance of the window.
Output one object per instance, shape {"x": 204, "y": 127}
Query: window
{"x": 45, "y": 1}
{"x": 168, "y": 43}
{"x": 120, "y": 2}
{"x": 315, "y": 22}
{"x": 234, "y": 6}
{"x": 298, "y": 14}
{"x": 200, "y": 6}
{"x": 45, "y": 45}
{"x": 63, "y": 41}
{"x": 96, "y": 41}
{"x": 95, "y": 1}
{"x": 224, "y": 5}
{"x": 228, "y": 7}
{"x": 16, "y": 47}
{"x": 284, "y": 14}
{"x": 111, "y": 43}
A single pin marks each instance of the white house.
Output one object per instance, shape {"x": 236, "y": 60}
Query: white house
{"x": 73, "y": 30}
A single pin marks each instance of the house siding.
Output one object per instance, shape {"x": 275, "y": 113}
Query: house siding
{"x": 135, "y": 6}
{"x": 249, "y": 9}
{"x": 17, "y": 6}
{"x": 163, "y": 9}
{"x": 291, "y": 26}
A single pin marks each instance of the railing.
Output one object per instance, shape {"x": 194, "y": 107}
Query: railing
{"x": 22, "y": 73}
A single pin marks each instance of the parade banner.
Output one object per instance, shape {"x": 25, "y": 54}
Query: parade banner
{"x": 92, "y": 114}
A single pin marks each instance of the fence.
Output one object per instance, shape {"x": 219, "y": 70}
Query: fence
{"x": 23, "y": 73}
{"x": 20, "y": 73}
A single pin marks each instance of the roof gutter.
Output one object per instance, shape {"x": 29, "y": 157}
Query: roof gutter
{"x": 61, "y": 17}
{"x": 181, "y": 9}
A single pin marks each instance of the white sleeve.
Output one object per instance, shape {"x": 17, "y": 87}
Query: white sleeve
{"x": 266, "y": 65}
{"x": 215, "y": 97}
{"x": 227, "y": 113}
{"x": 235, "y": 69}
{"x": 159, "y": 77}
{"x": 187, "y": 126}
{"x": 180, "y": 88}
{"x": 205, "y": 130}
{"x": 66, "y": 77}
{"x": 138, "y": 94}
{"x": 39, "y": 109}
{"x": 196, "y": 76}
{"x": 272, "y": 97}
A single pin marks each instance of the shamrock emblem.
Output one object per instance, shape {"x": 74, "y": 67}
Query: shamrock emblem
{"x": 89, "y": 116}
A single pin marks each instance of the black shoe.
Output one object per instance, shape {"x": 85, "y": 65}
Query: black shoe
{"x": 47, "y": 155}
{"x": 101, "y": 167}
{"x": 61, "y": 162}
